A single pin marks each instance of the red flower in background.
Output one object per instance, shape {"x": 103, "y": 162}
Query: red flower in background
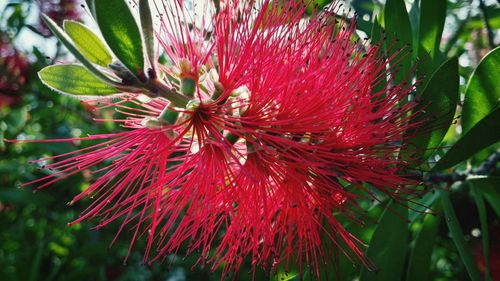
{"x": 13, "y": 73}
{"x": 58, "y": 10}
{"x": 284, "y": 129}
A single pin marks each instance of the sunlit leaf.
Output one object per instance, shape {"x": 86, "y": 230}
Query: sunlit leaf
{"x": 120, "y": 30}
{"x": 432, "y": 15}
{"x": 88, "y": 43}
{"x": 482, "y": 135}
{"x": 437, "y": 107}
{"x": 399, "y": 37}
{"x": 483, "y": 93}
{"x": 75, "y": 80}
{"x": 66, "y": 41}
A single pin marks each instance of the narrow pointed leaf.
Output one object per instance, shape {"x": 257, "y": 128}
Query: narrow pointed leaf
{"x": 88, "y": 43}
{"x": 470, "y": 143}
{"x": 75, "y": 80}
{"x": 388, "y": 257}
{"x": 490, "y": 189}
{"x": 148, "y": 31}
{"x": 66, "y": 41}
{"x": 437, "y": 109}
{"x": 120, "y": 30}
{"x": 433, "y": 14}
{"x": 457, "y": 236}
{"x": 377, "y": 33}
{"x": 399, "y": 36}
{"x": 91, "y": 6}
{"x": 420, "y": 258}
{"x": 483, "y": 93}
{"x": 423, "y": 204}
{"x": 483, "y": 219}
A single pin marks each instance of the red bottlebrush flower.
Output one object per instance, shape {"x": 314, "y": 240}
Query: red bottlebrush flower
{"x": 283, "y": 125}
{"x": 13, "y": 73}
{"x": 494, "y": 254}
{"x": 58, "y": 10}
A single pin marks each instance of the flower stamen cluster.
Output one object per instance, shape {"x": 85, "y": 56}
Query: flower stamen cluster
{"x": 277, "y": 133}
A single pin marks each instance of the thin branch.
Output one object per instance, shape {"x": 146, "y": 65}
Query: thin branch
{"x": 491, "y": 37}
{"x": 486, "y": 168}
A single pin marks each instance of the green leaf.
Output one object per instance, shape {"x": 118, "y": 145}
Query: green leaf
{"x": 489, "y": 188}
{"x": 148, "y": 31}
{"x": 422, "y": 205}
{"x": 483, "y": 219}
{"x": 482, "y": 135}
{"x": 399, "y": 37}
{"x": 75, "y": 80}
{"x": 66, "y": 41}
{"x": 377, "y": 31}
{"x": 482, "y": 94}
{"x": 414, "y": 16}
{"x": 388, "y": 257}
{"x": 319, "y": 4}
{"x": 433, "y": 13}
{"x": 91, "y": 6}
{"x": 286, "y": 276}
{"x": 437, "y": 109}
{"x": 458, "y": 237}
{"x": 420, "y": 257}
{"x": 364, "y": 232}
{"x": 88, "y": 43}
{"x": 377, "y": 34}
{"x": 120, "y": 30}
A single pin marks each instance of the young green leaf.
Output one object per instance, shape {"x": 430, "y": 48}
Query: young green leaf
{"x": 75, "y": 80}
{"x": 482, "y": 94}
{"x": 458, "y": 237}
{"x": 66, "y": 41}
{"x": 120, "y": 30}
{"x": 437, "y": 109}
{"x": 88, "y": 43}
{"x": 470, "y": 143}
{"x": 388, "y": 257}
{"x": 399, "y": 36}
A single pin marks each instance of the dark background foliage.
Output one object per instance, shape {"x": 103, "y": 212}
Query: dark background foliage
{"x": 37, "y": 244}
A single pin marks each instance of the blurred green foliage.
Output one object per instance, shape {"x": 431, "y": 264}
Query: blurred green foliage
{"x": 37, "y": 244}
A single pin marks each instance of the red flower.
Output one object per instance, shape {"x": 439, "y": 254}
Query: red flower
{"x": 58, "y": 10}
{"x": 13, "y": 73}
{"x": 282, "y": 127}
